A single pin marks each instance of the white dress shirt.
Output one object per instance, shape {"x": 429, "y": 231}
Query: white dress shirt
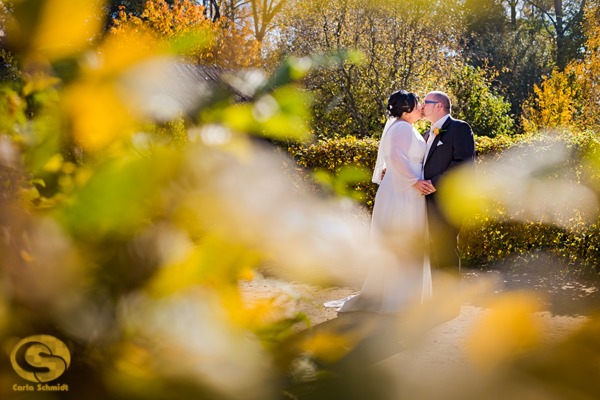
{"x": 438, "y": 124}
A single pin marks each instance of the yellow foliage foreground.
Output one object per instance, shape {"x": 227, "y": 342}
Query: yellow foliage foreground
{"x": 128, "y": 246}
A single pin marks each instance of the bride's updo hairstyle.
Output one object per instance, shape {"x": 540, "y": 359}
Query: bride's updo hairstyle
{"x": 402, "y": 102}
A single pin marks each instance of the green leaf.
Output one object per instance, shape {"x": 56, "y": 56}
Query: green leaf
{"x": 30, "y": 194}
{"x": 38, "y": 182}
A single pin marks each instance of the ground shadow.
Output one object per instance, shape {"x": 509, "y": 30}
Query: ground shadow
{"x": 559, "y": 292}
{"x": 378, "y": 337}
{"x": 382, "y": 338}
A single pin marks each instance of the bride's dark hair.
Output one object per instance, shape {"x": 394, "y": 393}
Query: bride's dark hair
{"x": 402, "y": 102}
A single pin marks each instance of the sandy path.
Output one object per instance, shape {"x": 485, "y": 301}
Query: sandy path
{"x": 296, "y": 296}
{"x": 440, "y": 355}
{"x": 565, "y": 301}
{"x": 439, "y": 365}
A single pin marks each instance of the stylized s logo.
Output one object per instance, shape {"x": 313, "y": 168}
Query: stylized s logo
{"x": 40, "y": 358}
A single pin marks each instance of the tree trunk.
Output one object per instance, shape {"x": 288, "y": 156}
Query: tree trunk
{"x": 561, "y": 61}
{"x": 263, "y": 15}
{"x": 513, "y": 12}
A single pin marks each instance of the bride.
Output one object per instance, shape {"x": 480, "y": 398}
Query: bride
{"x": 399, "y": 273}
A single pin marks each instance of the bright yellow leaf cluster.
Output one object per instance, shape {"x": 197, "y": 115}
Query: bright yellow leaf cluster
{"x": 224, "y": 44}
{"x": 570, "y": 98}
{"x": 552, "y": 105}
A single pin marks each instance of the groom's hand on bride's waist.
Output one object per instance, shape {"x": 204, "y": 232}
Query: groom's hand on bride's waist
{"x": 431, "y": 187}
{"x": 425, "y": 187}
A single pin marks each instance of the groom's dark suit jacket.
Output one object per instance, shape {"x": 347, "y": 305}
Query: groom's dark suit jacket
{"x": 457, "y": 148}
{"x": 453, "y": 146}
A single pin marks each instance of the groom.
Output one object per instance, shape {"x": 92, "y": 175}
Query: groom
{"x": 450, "y": 143}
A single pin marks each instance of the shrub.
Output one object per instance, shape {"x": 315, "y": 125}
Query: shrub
{"x": 485, "y": 241}
{"x": 475, "y": 102}
{"x": 553, "y": 104}
{"x": 333, "y": 155}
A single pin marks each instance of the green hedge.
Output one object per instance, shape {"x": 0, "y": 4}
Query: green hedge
{"x": 485, "y": 241}
{"x": 334, "y": 155}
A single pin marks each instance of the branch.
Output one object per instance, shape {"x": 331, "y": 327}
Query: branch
{"x": 578, "y": 16}
{"x": 352, "y": 106}
{"x": 548, "y": 29}
{"x": 265, "y": 17}
{"x": 279, "y": 6}
{"x": 544, "y": 11}
{"x": 267, "y": 13}
{"x": 255, "y": 16}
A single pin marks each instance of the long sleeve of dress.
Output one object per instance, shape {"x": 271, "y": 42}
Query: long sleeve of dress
{"x": 400, "y": 140}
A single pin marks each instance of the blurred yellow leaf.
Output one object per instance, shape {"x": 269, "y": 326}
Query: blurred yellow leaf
{"x": 66, "y": 26}
{"x": 121, "y": 50}
{"x": 214, "y": 262}
{"x": 68, "y": 168}
{"x": 26, "y": 256}
{"x": 461, "y": 196}
{"x": 38, "y": 181}
{"x": 263, "y": 311}
{"x": 29, "y": 194}
{"x": 118, "y": 196}
{"x": 329, "y": 347}
{"x": 282, "y": 115}
{"x": 507, "y": 331}
{"x": 38, "y": 83}
{"x": 83, "y": 175}
{"x": 96, "y": 115}
{"x": 54, "y": 163}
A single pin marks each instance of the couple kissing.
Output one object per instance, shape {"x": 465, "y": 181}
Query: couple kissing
{"x": 407, "y": 221}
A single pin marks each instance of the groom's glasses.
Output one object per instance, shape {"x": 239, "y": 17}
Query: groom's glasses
{"x": 430, "y": 102}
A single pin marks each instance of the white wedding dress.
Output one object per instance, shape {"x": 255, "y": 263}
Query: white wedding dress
{"x": 399, "y": 272}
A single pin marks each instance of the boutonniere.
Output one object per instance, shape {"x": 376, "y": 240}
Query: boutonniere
{"x": 437, "y": 131}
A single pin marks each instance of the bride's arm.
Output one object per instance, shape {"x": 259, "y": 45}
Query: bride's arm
{"x": 401, "y": 137}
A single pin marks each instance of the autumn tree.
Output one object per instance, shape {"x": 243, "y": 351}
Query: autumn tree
{"x": 226, "y": 45}
{"x": 9, "y": 70}
{"x": 588, "y": 69}
{"x": 411, "y": 47}
{"x": 134, "y": 7}
{"x": 562, "y": 20}
{"x": 259, "y": 15}
{"x": 570, "y": 98}
{"x": 552, "y": 104}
